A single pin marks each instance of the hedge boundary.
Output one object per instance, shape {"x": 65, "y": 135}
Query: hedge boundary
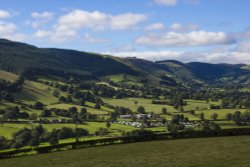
{"x": 122, "y": 140}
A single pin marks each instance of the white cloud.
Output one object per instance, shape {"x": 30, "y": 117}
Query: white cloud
{"x": 166, "y": 2}
{"x": 15, "y": 36}
{"x": 42, "y": 34}
{"x": 125, "y": 21}
{"x": 155, "y": 26}
{"x": 69, "y": 25}
{"x": 80, "y": 19}
{"x": 7, "y": 28}
{"x": 8, "y": 31}
{"x": 149, "y": 55}
{"x": 194, "y": 38}
{"x": 43, "y": 15}
{"x": 98, "y": 20}
{"x": 40, "y": 19}
{"x": 243, "y": 47}
{"x": 4, "y": 14}
{"x": 177, "y": 27}
{"x": 231, "y": 57}
{"x": 91, "y": 39}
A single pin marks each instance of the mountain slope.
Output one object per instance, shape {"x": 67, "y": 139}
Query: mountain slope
{"x": 19, "y": 57}
{"x": 33, "y": 61}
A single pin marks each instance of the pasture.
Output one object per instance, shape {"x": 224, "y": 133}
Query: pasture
{"x": 205, "y": 152}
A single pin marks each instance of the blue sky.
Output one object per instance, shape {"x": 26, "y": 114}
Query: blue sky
{"x": 216, "y": 31}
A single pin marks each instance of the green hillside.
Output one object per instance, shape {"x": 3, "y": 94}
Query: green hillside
{"x": 31, "y": 62}
{"x": 19, "y": 57}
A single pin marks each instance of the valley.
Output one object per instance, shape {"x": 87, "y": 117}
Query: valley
{"x": 52, "y": 104}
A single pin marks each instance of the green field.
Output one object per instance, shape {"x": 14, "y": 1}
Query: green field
{"x": 221, "y": 112}
{"x": 67, "y": 106}
{"x": 7, "y": 129}
{"x": 34, "y": 91}
{"x": 146, "y": 103}
{"x": 198, "y": 104}
{"x": 205, "y": 152}
{"x": 8, "y": 76}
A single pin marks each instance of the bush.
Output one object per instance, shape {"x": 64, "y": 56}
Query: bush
{"x": 102, "y": 132}
{"x": 138, "y": 132}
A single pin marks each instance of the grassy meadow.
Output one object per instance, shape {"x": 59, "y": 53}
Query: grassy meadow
{"x": 205, "y": 152}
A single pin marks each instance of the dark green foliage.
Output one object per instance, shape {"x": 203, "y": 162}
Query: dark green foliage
{"x": 138, "y": 132}
{"x": 102, "y": 132}
{"x": 46, "y": 113}
{"x": 214, "y": 116}
{"x": 108, "y": 124}
{"x": 65, "y": 133}
{"x": 141, "y": 110}
{"x": 97, "y": 106}
{"x": 119, "y": 110}
{"x": 19, "y": 58}
{"x": 3, "y": 143}
{"x": 38, "y": 105}
{"x": 53, "y": 140}
{"x": 12, "y": 113}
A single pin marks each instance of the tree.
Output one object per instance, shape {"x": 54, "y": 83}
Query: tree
{"x": 24, "y": 115}
{"x": 82, "y": 102}
{"x": 62, "y": 99}
{"x": 81, "y": 132}
{"x": 38, "y": 105}
{"x": 53, "y": 140}
{"x": 102, "y": 131}
{"x": 69, "y": 99}
{"x": 65, "y": 132}
{"x": 56, "y": 93}
{"x": 33, "y": 142}
{"x": 141, "y": 110}
{"x": 108, "y": 124}
{"x": 173, "y": 128}
{"x": 186, "y": 119}
{"x": 97, "y": 106}
{"x": 46, "y": 113}
{"x": 12, "y": 113}
{"x": 113, "y": 116}
{"x": 8, "y": 97}
{"x": 192, "y": 112}
{"x": 3, "y": 143}
{"x": 214, "y": 116}
{"x": 202, "y": 116}
{"x": 164, "y": 110}
{"x": 229, "y": 116}
{"x": 33, "y": 116}
{"x": 73, "y": 109}
{"x": 180, "y": 108}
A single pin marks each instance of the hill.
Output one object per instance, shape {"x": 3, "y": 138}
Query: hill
{"x": 22, "y": 58}
{"x": 31, "y": 61}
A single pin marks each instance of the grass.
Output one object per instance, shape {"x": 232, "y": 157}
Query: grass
{"x": 194, "y": 104}
{"x": 34, "y": 91}
{"x": 221, "y": 112}
{"x": 8, "y": 76}
{"x": 245, "y": 89}
{"x": 146, "y": 103}
{"x": 205, "y": 152}
{"x": 67, "y": 106}
{"x": 128, "y": 79}
{"x": 8, "y": 129}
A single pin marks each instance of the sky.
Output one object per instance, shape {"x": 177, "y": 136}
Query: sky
{"x": 213, "y": 31}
